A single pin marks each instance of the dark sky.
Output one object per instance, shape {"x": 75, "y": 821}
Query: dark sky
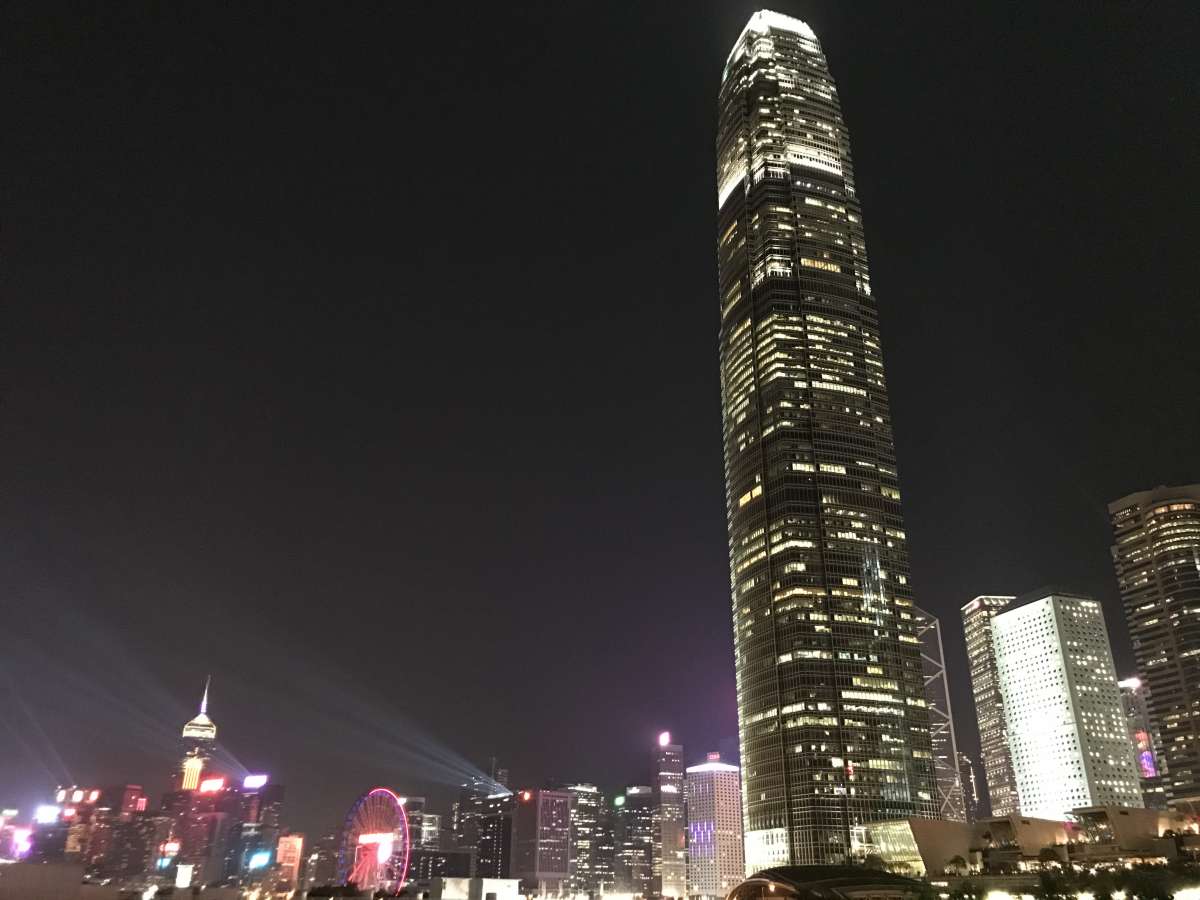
{"x": 366, "y": 358}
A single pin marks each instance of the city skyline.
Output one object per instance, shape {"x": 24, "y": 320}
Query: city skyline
{"x": 229, "y": 417}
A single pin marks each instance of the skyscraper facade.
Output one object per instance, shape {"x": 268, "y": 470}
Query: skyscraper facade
{"x": 989, "y": 708}
{"x": 1066, "y": 728}
{"x": 541, "y": 837}
{"x": 832, "y": 721}
{"x": 716, "y": 861}
{"x": 585, "y": 823}
{"x": 633, "y": 838}
{"x": 941, "y": 717}
{"x": 1156, "y": 553}
{"x": 669, "y": 869}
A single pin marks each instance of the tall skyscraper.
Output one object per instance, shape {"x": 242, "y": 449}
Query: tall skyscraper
{"x": 585, "y": 823}
{"x": 989, "y": 708}
{"x": 199, "y": 738}
{"x": 1145, "y": 745}
{"x": 1156, "y": 552}
{"x": 716, "y": 861}
{"x": 1066, "y": 728}
{"x": 970, "y": 787}
{"x": 941, "y": 717}
{"x": 633, "y": 838}
{"x": 831, "y": 717}
{"x": 541, "y": 840}
{"x": 669, "y": 869}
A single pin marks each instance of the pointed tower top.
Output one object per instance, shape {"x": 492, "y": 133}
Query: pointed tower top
{"x": 202, "y": 727}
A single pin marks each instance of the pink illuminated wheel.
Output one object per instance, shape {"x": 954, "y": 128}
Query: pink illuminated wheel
{"x": 375, "y": 843}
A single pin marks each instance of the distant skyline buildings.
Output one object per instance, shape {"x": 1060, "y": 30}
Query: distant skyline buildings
{"x": 989, "y": 706}
{"x": 1156, "y": 557}
{"x": 1145, "y": 744}
{"x": 833, "y": 727}
{"x": 1066, "y": 729}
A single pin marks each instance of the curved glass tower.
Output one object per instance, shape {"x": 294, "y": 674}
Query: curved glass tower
{"x": 831, "y": 704}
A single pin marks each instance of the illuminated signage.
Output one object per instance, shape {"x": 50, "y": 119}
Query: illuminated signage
{"x": 254, "y": 782}
{"x": 376, "y": 838}
{"x": 61, "y": 795}
{"x": 618, "y": 801}
{"x": 93, "y": 796}
{"x": 170, "y": 848}
{"x": 46, "y": 814}
{"x": 260, "y": 859}
{"x": 664, "y": 739}
{"x": 183, "y": 875}
{"x": 211, "y": 785}
{"x": 22, "y": 841}
{"x": 76, "y": 796}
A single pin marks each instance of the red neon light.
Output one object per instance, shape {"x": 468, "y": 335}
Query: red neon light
{"x": 211, "y": 785}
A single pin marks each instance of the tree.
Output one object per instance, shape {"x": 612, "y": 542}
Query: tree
{"x": 957, "y": 865}
{"x": 1049, "y": 855}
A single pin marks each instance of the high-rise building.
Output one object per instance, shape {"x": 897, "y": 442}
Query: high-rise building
{"x": 633, "y": 837}
{"x": 1156, "y": 553}
{"x": 1066, "y": 729}
{"x": 1145, "y": 745}
{"x": 289, "y": 859}
{"x": 970, "y": 787}
{"x": 716, "y": 861}
{"x": 989, "y": 708}
{"x": 586, "y": 804}
{"x": 493, "y": 851}
{"x": 669, "y": 869}
{"x": 832, "y": 724}
{"x": 198, "y": 740}
{"x": 604, "y": 858}
{"x": 542, "y": 840}
{"x": 941, "y": 717}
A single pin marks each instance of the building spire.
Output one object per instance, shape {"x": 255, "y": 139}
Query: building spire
{"x": 204, "y": 699}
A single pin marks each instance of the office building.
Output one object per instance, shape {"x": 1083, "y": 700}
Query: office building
{"x": 541, "y": 840}
{"x": 941, "y": 716}
{"x": 989, "y": 708}
{"x": 633, "y": 837}
{"x": 1156, "y": 554}
{"x": 198, "y": 741}
{"x": 586, "y": 804}
{"x": 970, "y": 787}
{"x": 1066, "y": 729}
{"x": 669, "y": 868}
{"x": 1145, "y": 745}
{"x": 716, "y": 862}
{"x": 832, "y": 724}
{"x": 604, "y": 859}
{"x": 289, "y": 859}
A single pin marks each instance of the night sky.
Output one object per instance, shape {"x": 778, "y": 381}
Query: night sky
{"x": 366, "y": 359}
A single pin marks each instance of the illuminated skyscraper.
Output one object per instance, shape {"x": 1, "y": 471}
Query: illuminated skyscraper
{"x": 1156, "y": 552}
{"x": 585, "y": 822}
{"x": 670, "y": 826}
{"x": 541, "y": 839}
{"x": 633, "y": 839}
{"x": 989, "y": 708}
{"x": 716, "y": 861}
{"x": 199, "y": 736}
{"x": 941, "y": 717}
{"x": 832, "y": 721}
{"x": 1066, "y": 729}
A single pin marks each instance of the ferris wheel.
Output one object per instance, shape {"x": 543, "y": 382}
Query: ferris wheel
{"x": 375, "y": 842}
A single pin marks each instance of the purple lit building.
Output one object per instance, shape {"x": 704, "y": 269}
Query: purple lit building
{"x": 716, "y": 861}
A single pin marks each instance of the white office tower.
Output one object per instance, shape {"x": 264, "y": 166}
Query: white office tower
{"x": 1066, "y": 729}
{"x": 716, "y": 859}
